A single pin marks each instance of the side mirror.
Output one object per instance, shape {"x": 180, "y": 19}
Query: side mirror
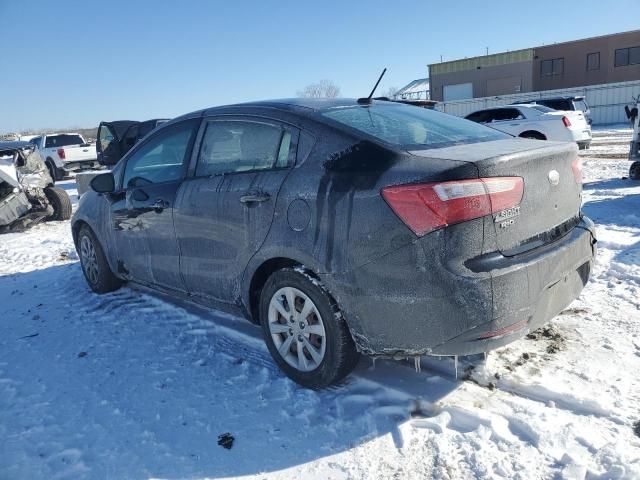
{"x": 103, "y": 183}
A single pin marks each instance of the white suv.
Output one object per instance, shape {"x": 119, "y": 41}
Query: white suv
{"x": 536, "y": 121}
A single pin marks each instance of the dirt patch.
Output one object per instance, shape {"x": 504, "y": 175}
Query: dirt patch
{"x": 552, "y": 334}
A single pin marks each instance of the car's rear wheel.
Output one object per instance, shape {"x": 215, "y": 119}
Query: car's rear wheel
{"x": 94, "y": 263}
{"x": 634, "y": 171}
{"x": 60, "y": 202}
{"x": 304, "y": 330}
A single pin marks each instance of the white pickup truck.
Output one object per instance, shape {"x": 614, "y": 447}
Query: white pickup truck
{"x": 64, "y": 153}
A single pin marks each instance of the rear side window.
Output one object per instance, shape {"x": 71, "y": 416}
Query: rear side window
{"x": 505, "y": 114}
{"x": 63, "y": 141}
{"x": 542, "y": 108}
{"x": 242, "y": 146}
{"x": 408, "y": 126}
{"x": 558, "y": 104}
{"x": 477, "y": 117}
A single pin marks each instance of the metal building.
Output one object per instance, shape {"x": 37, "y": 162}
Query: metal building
{"x": 592, "y": 61}
{"x": 415, "y": 90}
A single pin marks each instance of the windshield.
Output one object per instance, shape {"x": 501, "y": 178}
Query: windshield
{"x": 63, "y": 140}
{"x": 412, "y": 127}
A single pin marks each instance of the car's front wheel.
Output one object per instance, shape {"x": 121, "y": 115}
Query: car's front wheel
{"x": 94, "y": 263}
{"x": 61, "y": 203}
{"x": 304, "y": 330}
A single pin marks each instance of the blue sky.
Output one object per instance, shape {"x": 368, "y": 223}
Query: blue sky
{"x": 72, "y": 64}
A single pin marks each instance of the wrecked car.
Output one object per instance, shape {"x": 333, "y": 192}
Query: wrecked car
{"x": 27, "y": 193}
{"x": 345, "y": 227}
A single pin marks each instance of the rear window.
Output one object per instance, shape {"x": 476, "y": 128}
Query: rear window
{"x": 63, "y": 140}
{"x": 409, "y": 127}
{"x": 580, "y": 105}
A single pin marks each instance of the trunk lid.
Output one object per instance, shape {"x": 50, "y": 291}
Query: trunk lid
{"x": 551, "y": 201}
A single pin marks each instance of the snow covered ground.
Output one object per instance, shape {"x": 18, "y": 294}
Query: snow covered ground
{"x": 127, "y": 385}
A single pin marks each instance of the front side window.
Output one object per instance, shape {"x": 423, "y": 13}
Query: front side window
{"x": 411, "y": 127}
{"x": 242, "y": 146}
{"x": 160, "y": 159}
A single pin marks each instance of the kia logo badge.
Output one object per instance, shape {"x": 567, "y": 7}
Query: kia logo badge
{"x": 554, "y": 177}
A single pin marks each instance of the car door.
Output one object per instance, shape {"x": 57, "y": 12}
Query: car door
{"x": 108, "y": 147}
{"x": 225, "y": 210}
{"x": 142, "y": 213}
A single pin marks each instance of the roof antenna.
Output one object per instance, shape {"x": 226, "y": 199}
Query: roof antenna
{"x": 367, "y": 101}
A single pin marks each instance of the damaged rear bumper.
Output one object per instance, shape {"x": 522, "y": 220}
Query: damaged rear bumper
{"x": 436, "y": 310}
{"x": 553, "y": 277}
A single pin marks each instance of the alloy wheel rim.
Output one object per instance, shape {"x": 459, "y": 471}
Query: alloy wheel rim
{"x": 297, "y": 329}
{"x": 89, "y": 260}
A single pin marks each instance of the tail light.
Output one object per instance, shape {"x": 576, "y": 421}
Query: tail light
{"x": 566, "y": 121}
{"x": 576, "y": 166}
{"x": 61, "y": 153}
{"x": 430, "y": 206}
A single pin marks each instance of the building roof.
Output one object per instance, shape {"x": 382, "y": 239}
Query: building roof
{"x": 588, "y": 38}
{"x": 416, "y": 86}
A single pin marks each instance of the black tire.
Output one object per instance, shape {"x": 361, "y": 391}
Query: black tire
{"x": 340, "y": 354}
{"x": 634, "y": 171}
{"x": 533, "y": 135}
{"x": 60, "y": 202}
{"x": 52, "y": 170}
{"x": 104, "y": 280}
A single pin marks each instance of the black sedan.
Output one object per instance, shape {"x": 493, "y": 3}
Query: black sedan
{"x": 345, "y": 227}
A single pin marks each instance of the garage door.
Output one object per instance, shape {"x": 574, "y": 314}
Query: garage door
{"x": 459, "y": 91}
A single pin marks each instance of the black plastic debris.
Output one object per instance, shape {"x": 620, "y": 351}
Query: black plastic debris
{"x": 82, "y": 354}
{"x": 226, "y": 440}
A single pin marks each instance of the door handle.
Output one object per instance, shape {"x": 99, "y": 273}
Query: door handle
{"x": 254, "y": 197}
{"x": 159, "y": 205}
